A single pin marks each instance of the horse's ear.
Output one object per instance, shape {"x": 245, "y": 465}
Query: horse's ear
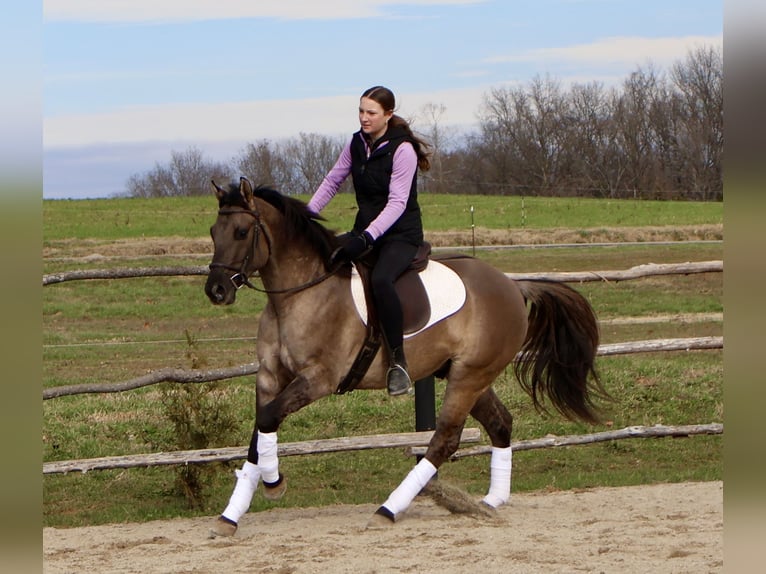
{"x": 246, "y": 190}
{"x": 219, "y": 191}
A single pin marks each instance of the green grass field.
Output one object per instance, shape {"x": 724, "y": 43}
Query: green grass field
{"x": 191, "y": 216}
{"x": 103, "y": 331}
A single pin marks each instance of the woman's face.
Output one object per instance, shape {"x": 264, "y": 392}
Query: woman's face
{"x": 372, "y": 118}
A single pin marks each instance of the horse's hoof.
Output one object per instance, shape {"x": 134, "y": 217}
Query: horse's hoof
{"x": 275, "y": 490}
{"x": 223, "y": 527}
{"x": 383, "y": 518}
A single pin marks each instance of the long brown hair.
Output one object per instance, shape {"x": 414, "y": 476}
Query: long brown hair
{"x": 387, "y": 101}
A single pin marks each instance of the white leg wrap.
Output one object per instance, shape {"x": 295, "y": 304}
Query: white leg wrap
{"x": 247, "y": 482}
{"x": 268, "y": 463}
{"x": 499, "y": 477}
{"x": 404, "y": 494}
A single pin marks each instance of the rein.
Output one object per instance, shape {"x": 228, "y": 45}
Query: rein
{"x": 240, "y": 278}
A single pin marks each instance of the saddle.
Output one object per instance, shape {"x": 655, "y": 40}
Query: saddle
{"x": 416, "y": 308}
{"x": 416, "y": 311}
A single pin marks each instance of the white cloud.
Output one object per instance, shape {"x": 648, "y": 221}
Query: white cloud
{"x": 242, "y": 121}
{"x": 188, "y": 10}
{"x": 254, "y": 120}
{"x": 616, "y": 50}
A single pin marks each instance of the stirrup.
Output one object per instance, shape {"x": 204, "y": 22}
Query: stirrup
{"x": 398, "y": 381}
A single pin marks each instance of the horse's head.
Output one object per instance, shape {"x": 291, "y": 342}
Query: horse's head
{"x": 241, "y": 247}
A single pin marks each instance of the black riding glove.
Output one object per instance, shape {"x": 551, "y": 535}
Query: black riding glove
{"x": 356, "y": 246}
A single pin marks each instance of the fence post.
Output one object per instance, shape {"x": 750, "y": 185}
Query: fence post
{"x": 425, "y": 405}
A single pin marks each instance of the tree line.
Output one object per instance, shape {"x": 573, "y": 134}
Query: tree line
{"x": 657, "y": 135}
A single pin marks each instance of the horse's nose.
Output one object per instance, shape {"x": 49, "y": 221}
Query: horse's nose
{"x": 219, "y": 293}
{"x": 216, "y": 293}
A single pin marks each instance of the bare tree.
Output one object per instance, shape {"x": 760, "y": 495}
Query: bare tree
{"x": 312, "y": 157}
{"x": 502, "y": 134}
{"x": 439, "y": 139}
{"x": 597, "y": 166}
{"x": 546, "y": 120}
{"x": 523, "y": 132}
{"x": 188, "y": 173}
{"x": 292, "y": 166}
{"x": 658, "y": 135}
{"x": 191, "y": 172}
{"x": 264, "y": 164}
{"x": 699, "y": 79}
{"x": 641, "y": 92}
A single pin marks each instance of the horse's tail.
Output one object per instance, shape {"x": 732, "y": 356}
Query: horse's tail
{"x": 558, "y": 354}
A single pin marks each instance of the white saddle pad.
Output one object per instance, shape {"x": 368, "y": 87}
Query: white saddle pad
{"x": 444, "y": 287}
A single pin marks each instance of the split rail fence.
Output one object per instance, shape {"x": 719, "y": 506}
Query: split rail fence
{"x": 413, "y": 443}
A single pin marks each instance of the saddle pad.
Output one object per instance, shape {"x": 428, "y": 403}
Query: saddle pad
{"x": 445, "y": 289}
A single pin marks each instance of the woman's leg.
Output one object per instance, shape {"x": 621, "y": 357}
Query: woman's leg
{"x": 394, "y": 258}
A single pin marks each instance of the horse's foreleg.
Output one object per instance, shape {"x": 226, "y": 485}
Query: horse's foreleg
{"x": 498, "y": 422}
{"x": 239, "y": 502}
{"x": 262, "y": 464}
{"x": 262, "y": 457}
{"x": 274, "y": 485}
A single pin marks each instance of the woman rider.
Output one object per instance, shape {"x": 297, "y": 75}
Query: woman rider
{"x": 382, "y": 158}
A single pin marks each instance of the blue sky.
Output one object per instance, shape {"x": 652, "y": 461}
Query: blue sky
{"x": 125, "y": 82}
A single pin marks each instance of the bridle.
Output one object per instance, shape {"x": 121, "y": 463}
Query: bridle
{"x": 240, "y": 277}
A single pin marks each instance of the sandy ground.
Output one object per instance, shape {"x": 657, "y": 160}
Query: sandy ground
{"x": 669, "y": 528}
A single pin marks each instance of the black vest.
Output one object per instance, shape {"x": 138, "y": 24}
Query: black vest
{"x": 372, "y": 176}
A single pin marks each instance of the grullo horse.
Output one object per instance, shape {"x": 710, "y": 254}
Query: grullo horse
{"x": 310, "y": 332}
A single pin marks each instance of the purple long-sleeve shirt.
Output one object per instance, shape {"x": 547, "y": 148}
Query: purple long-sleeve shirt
{"x": 404, "y": 167}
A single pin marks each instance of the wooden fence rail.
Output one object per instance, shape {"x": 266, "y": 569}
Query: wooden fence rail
{"x": 204, "y": 376}
{"x": 655, "y": 431}
{"x": 169, "y": 374}
{"x": 636, "y": 272}
{"x": 414, "y": 444}
{"x": 411, "y": 439}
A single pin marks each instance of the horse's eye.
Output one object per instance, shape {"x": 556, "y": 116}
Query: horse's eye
{"x": 241, "y": 233}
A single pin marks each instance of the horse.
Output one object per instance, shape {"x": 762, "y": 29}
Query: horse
{"x": 310, "y": 332}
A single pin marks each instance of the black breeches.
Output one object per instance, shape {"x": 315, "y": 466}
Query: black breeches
{"x": 393, "y": 259}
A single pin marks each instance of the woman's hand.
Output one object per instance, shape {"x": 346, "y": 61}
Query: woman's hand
{"x": 357, "y": 245}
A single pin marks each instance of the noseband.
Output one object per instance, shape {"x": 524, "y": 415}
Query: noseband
{"x": 240, "y": 278}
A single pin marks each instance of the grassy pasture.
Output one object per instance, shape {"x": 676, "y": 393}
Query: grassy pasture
{"x": 109, "y": 331}
{"x": 191, "y": 216}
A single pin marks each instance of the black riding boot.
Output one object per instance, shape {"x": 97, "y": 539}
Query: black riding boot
{"x": 397, "y": 379}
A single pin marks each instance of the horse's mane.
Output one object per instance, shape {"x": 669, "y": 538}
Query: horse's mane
{"x": 299, "y": 220}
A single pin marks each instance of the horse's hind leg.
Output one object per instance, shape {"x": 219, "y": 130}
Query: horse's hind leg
{"x": 446, "y": 439}
{"x": 498, "y": 422}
